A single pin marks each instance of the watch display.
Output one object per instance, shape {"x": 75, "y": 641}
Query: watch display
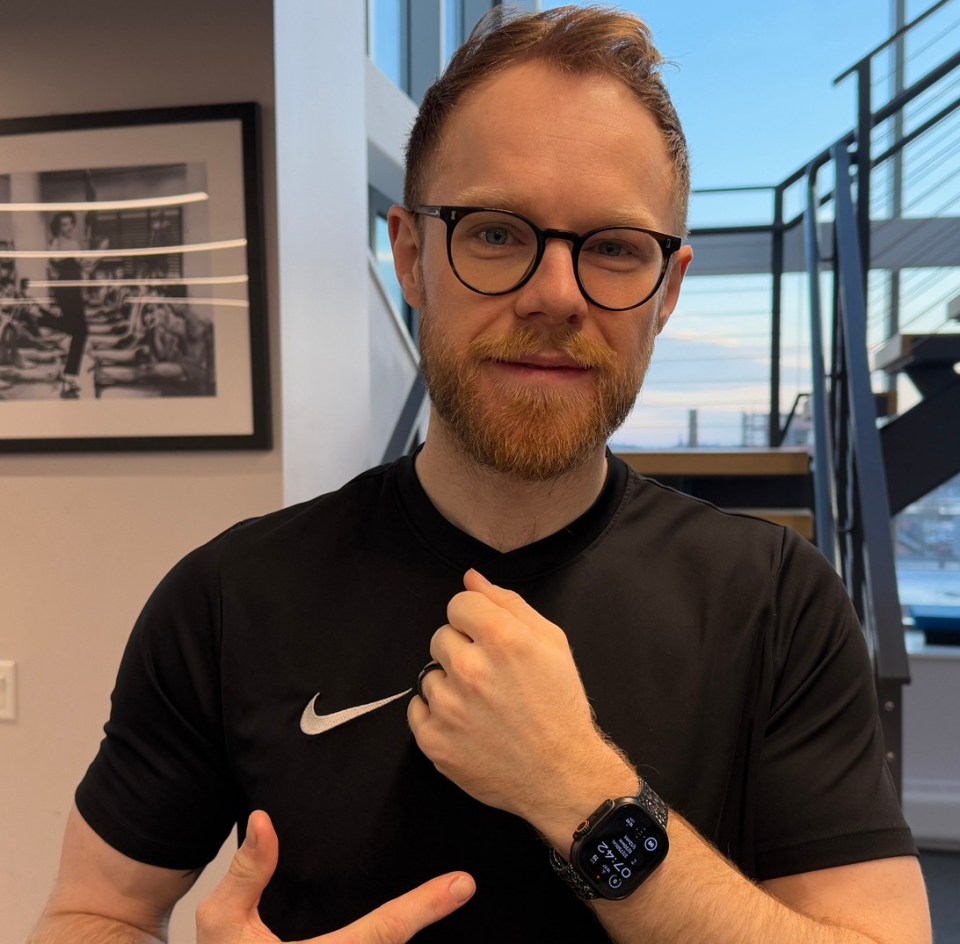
{"x": 615, "y": 850}
{"x": 618, "y": 848}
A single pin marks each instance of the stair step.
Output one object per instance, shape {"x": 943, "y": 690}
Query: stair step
{"x": 773, "y": 484}
{"x": 800, "y": 519}
{"x": 719, "y": 462}
{"x": 905, "y": 351}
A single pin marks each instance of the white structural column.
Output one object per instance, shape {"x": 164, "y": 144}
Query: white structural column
{"x": 320, "y": 61}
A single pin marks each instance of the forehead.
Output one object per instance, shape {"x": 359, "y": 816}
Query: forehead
{"x": 535, "y": 139}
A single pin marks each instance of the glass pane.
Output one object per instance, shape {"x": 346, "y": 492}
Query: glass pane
{"x": 927, "y": 537}
{"x": 385, "y": 38}
{"x": 452, "y": 28}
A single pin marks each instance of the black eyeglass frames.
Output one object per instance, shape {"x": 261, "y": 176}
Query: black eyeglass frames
{"x": 495, "y": 252}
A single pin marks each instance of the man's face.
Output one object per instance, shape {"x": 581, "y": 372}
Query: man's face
{"x": 534, "y": 382}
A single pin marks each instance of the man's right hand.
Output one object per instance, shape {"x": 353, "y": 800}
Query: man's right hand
{"x": 230, "y": 915}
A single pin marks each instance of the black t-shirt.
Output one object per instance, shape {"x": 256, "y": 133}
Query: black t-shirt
{"x": 720, "y": 653}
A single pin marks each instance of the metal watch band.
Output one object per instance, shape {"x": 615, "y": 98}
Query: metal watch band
{"x": 653, "y": 804}
{"x": 645, "y": 798}
{"x": 569, "y": 874}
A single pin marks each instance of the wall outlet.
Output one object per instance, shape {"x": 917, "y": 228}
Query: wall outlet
{"x": 8, "y": 691}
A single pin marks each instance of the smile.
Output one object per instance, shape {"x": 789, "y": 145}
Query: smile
{"x": 541, "y": 369}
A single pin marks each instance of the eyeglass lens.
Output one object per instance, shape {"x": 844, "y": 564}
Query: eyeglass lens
{"x": 494, "y": 252}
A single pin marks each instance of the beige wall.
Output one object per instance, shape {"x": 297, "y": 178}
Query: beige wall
{"x": 83, "y": 539}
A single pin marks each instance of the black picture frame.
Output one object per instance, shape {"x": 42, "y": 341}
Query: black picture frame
{"x": 163, "y": 266}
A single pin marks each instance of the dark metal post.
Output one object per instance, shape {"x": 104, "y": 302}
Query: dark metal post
{"x": 775, "y": 435}
{"x": 896, "y": 183}
{"x": 864, "y": 129}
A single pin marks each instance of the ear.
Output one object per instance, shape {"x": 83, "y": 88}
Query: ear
{"x": 678, "y": 269}
{"x": 405, "y": 241}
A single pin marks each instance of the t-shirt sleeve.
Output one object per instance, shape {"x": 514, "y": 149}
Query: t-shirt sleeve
{"x": 159, "y": 789}
{"x": 825, "y": 793}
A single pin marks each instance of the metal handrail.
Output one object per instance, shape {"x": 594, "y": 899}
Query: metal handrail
{"x": 868, "y": 563}
{"x": 872, "y": 477}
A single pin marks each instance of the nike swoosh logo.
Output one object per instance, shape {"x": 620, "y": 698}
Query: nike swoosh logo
{"x": 312, "y": 723}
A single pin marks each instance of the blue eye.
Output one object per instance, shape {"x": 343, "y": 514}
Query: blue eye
{"x": 609, "y": 248}
{"x": 495, "y": 236}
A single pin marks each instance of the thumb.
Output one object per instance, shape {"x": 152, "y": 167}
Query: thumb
{"x": 236, "y": 898}
{"x": 256, "y": 859}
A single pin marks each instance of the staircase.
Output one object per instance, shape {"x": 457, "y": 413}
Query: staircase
{"x": 921, "y": 447}
{"x": 774, "y": 484}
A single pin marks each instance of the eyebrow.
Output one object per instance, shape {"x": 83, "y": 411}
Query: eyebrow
{"x": 622, "y": 214}
{"x": 485, "y": 196}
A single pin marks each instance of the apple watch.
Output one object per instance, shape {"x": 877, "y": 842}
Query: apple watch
{"x": 617, "y": 848}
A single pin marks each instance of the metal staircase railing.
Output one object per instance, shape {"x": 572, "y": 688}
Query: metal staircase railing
{"x": 853, "y": 500}
{"x": 853, "y": 513}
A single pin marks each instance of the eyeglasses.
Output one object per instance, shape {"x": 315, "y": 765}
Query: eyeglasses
{"x": 494, "y": 252}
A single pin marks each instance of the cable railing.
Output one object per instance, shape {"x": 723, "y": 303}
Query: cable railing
{"x": 907, "y": 142}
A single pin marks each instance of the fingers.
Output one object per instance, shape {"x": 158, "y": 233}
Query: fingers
{"x": 233, "y": 903}
{"x": 470, "y": 612}
{"x": 400, "y": 919}
{"x": 425, "y": 672}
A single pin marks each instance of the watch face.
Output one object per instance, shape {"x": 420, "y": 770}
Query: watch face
{"x": 621, "y": 849}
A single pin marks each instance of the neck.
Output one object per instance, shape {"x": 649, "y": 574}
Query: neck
{"x": 502, "y": 510}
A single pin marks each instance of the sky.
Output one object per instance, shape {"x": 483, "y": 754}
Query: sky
{"x": 753, "y": 79}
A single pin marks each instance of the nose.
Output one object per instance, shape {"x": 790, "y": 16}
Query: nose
{"x": 552, "y": 292}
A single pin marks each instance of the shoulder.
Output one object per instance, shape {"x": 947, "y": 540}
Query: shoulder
{"x": 737, "y": 559}
{"x": 359, "y": 497}
{"x": 697, "y": 529}
{"x": 261, "y": 551}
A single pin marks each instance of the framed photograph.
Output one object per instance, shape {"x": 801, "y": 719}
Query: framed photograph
{"x": 132, "y": 299}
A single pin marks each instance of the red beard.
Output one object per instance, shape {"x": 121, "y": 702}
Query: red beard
{"x": 535, "y": 433}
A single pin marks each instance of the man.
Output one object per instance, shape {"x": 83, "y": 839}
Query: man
{"x": 690, "y": 682}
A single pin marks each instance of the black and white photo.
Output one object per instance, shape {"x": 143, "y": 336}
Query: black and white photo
{"x": 131, "y": 288}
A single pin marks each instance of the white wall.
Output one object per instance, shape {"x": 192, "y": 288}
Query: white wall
{"x": 931, "y": 744}
{"x": 322, "y": 196}
{"x": 83, "y": 538}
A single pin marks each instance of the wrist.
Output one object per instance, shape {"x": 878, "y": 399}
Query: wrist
{"x": 577, "y": 791}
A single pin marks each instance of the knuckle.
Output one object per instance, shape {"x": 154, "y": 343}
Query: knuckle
{"x": 391, "y": 927}
{"x": 206, "y": 915}
{"x": 456, "y": 604}
{"x": 468, "y": 670}
{"x": 241, "y": 866}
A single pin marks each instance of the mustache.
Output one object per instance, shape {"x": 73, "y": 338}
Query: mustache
{"x": 527, "y": 341}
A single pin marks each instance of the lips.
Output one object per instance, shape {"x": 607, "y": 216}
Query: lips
{"x": 543, "y": 362}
